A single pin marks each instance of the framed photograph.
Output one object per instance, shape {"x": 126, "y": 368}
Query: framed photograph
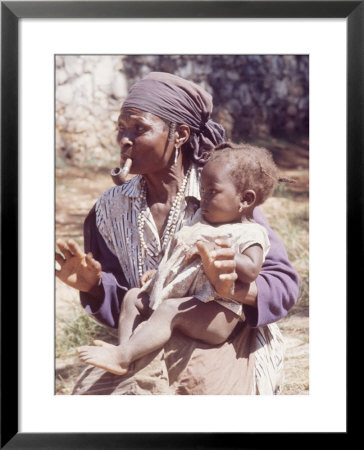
{"x": 34, "y": 34}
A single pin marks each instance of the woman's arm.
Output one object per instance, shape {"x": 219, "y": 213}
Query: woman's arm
{"x": 104, "y": 301}
{"x": 277, "y": 283}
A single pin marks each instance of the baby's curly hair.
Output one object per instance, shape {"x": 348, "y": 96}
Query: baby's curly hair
{"x": 250, "y": 168}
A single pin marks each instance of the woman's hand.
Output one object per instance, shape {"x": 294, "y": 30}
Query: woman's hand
{"x": 219, "y": 265}
{"x": 77, "y": 269}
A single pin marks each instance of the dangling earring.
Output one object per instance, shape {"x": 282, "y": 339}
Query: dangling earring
{"x": 241, "y": 207}
{"x": 171, "y": 131}
{"x": 176, "y": 155}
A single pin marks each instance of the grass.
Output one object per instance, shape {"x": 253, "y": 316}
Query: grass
{"x": 289, "y": 217}
{"x": 80, "y": 329}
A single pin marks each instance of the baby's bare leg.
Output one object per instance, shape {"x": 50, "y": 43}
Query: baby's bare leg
{"x": 134, "y": 309}
{"x": 209, "y": 322}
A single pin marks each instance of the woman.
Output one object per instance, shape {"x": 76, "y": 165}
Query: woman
{"x": 165, "y": 129}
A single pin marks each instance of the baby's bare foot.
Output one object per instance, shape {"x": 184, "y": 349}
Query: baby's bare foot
{"x": 100, "y": 343}
{"x": 107, "y": 357}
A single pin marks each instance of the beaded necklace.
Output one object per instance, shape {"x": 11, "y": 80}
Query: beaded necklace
{"x": 171, "y": 221}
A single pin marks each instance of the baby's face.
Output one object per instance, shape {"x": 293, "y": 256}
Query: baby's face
{"x": 220, "y": 200}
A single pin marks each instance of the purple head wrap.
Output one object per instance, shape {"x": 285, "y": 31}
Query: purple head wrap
{"x": 175, "y": 99}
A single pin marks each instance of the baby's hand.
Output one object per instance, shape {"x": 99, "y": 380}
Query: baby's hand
{"x": 194, "y": 251}
{"x": 219, "y": 265}
{"x": 147, "y": 276}
{"x": 190, "y": 255}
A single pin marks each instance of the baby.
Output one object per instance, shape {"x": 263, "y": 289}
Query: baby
{"x": 179, "y": 294}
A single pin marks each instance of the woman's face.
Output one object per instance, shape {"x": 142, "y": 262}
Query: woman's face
{"x": 143, "y": 137}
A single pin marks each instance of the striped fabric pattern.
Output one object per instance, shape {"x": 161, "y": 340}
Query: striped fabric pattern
{"x": 117, "y": 213}
{"x": 269, "y": 357}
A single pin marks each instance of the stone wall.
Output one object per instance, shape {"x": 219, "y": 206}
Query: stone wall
{"x": 254, "y": 96}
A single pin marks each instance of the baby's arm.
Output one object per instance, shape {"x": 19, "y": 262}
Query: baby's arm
{"x": 220, "y": 265}
{"x": 249, "y": 263}
{"x": 247, "y": 268}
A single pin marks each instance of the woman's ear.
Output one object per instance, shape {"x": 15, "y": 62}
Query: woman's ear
{"x": 247, "y": 199}
{"x": 183, "y": 133}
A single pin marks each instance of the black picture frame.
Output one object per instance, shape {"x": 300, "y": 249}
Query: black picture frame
{"x": 11, "y": 13}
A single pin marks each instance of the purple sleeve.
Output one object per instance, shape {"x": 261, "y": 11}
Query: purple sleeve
{"x": 114, "y": 284}
{"x": 277, "y": 283}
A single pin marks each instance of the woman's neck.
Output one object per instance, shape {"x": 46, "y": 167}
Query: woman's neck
{"x": 163, "y": 186}
{"x": 162, "y": 194}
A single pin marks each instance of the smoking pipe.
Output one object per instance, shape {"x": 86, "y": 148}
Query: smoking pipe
{"x": 119, "y": 174}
